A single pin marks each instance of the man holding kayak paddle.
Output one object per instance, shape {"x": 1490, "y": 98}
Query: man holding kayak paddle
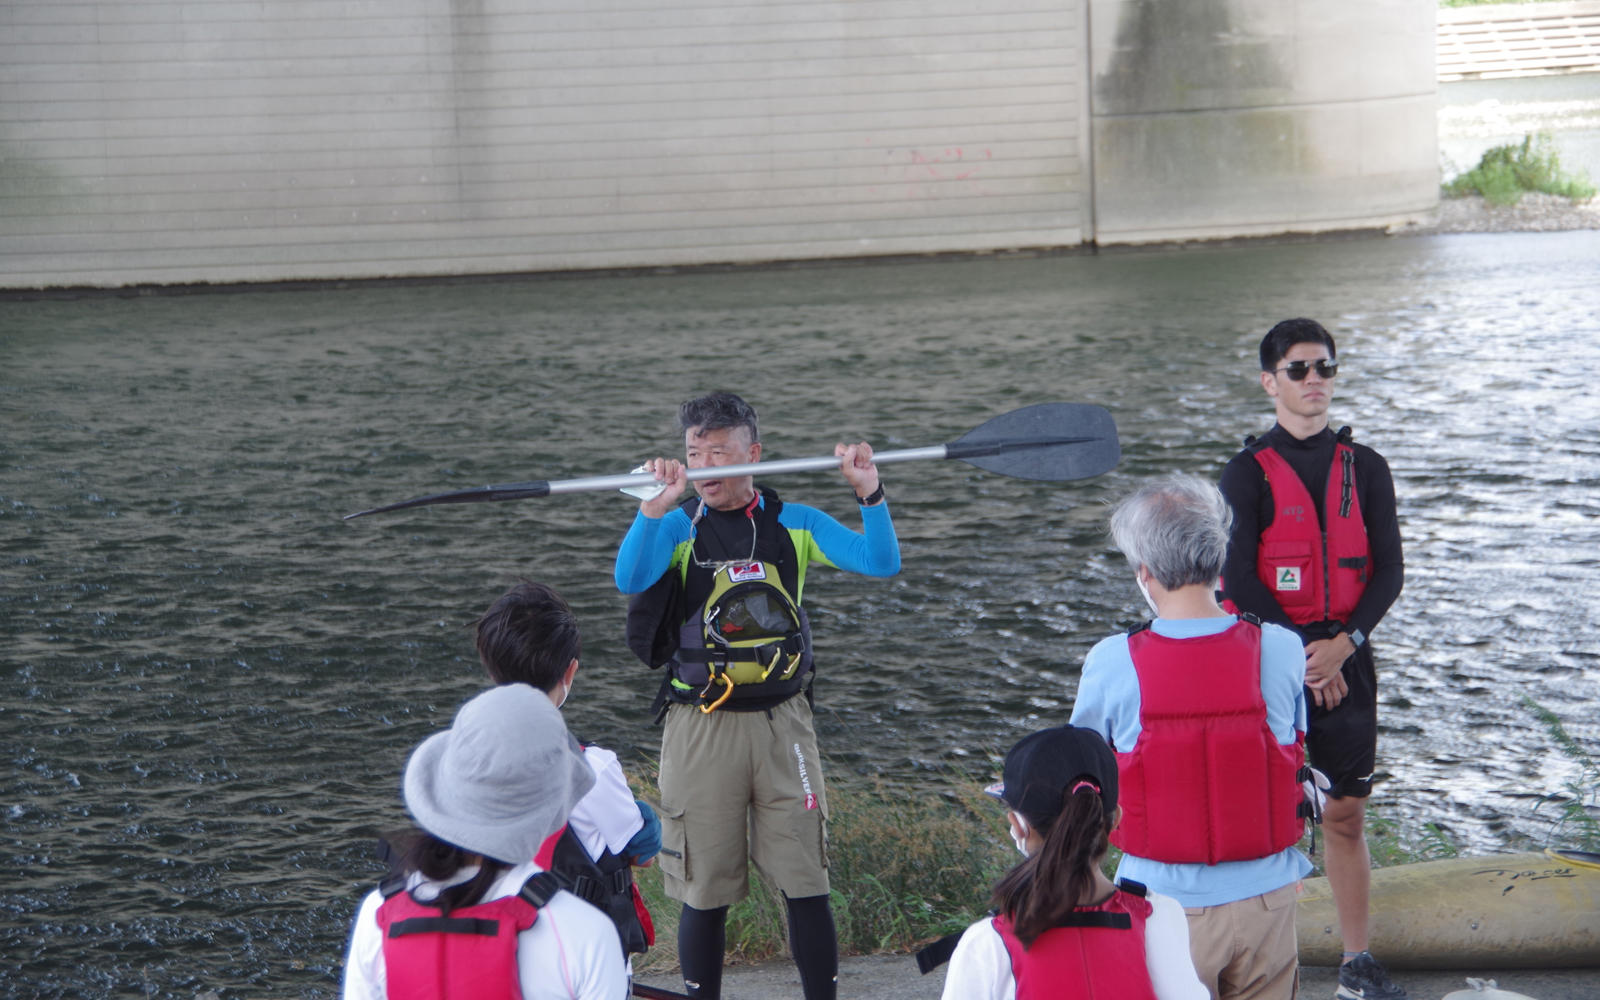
{"x": 718, "y": 581}
{"x": 1315, "y": 547}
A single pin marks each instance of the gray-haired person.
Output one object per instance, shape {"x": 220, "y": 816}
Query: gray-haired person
{"x": 719, "y": 580}
{"x": 1206, "y": 712}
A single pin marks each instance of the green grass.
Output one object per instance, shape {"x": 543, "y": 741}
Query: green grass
{"x": 1478, "y": 3}
{"x": 1575, "y": 823}
{"x": 1390, "y": 843}
{"x": 904, "y": 870}
{"x": 1506, "y": 173}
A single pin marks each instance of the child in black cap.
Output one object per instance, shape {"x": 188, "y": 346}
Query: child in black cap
{"x": 1061, "y": 928}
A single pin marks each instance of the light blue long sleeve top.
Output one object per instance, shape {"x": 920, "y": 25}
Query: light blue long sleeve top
{"x": 1108, "y": 702}
{"x": 654, "y": 544}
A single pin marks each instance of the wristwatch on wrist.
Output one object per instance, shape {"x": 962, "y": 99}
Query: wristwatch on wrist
{"x": 1356, "y": 638}
{"x": 871, "y": 498}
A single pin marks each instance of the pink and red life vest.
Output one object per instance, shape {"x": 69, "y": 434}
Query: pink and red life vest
{"x": 1098, "y": 953}
{"x": 469, "y": 954}
{"x": 1207, "y": 781}
{"x": 1316, "y": 574}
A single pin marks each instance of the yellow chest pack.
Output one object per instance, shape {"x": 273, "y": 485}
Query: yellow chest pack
{"x": 749, "y": 633}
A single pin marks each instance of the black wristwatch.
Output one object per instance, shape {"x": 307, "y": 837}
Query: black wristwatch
{"x": 871, "y": 498}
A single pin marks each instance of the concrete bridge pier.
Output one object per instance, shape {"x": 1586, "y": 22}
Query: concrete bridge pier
{"x": 1221, "y": 118}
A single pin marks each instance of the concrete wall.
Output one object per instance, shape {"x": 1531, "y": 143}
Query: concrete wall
{"x": 150, "y": 141}
{"x": 232, "y": 140}
{"x": 1218, "y": 118}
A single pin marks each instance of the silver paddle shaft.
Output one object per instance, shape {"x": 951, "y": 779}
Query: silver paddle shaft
{"x": 598, "y": 484}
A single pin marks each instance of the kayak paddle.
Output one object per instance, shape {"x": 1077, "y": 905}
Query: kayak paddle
{"x": 657, "y": 993}
{"x": 1051, "y": 442}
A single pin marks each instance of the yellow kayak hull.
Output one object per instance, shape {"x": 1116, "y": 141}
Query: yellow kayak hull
{"x": 1503, "y": 911}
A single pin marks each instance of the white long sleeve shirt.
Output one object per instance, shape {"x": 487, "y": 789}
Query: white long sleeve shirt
{"x": 570, "y": 953}
{"x": 980, "y": 969}
{"x": 608, "y": 816}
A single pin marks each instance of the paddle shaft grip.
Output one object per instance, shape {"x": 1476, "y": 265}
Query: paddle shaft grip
{"x": 820, "y": 464}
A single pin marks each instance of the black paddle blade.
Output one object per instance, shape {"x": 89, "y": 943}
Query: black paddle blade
{"x": 481, "y": 494}
{"x": 1052, "y": 442}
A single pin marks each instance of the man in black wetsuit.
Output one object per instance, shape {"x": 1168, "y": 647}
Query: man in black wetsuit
{"x": 1331, "y": 577}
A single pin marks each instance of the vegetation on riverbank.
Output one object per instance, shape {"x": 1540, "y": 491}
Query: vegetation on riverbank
{"x": 904, "y": 870}
{"x": 1575, "y": 807}
{"x": 1505, "y": 173}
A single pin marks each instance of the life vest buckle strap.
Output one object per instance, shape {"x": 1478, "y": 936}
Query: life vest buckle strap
{"x": 1348, "y": 481}
{"x": 1357, "y": 563}
{"x": 445, "y": 925}
{"x": 938, "y": 953}
{"x": 588, "y": 890}
{"x": 540, "y": 888}
{"x": 720, "y": 656}
{"x": 1097, "y": 918}
{"x": 392, "y": 884}
{"x": 1133, "y": 888}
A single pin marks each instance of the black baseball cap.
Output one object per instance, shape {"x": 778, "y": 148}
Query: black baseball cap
{"x": 1044, "y": 765}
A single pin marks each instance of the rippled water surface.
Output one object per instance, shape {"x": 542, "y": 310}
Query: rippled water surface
{"x": 210, "y": 682}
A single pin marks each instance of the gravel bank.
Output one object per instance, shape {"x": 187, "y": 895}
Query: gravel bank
{"x": 1535, "y": 213}
{"x": 894, "y": 977}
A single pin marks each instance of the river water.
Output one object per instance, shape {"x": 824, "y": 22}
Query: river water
{"x": 210, "y": 682}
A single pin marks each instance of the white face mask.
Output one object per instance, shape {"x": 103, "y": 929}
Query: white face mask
{"x": 1145, "y": 590}
{"x": 1022, "y": 841}
{"x": 565, "y": 690}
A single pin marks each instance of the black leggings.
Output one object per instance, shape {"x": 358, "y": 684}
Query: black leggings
{"x": 703, "y": 937}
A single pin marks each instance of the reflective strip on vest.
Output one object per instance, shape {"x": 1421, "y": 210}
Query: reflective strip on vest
{"x": 424, "y": 964}
{"x": 1207, "y": 781}
{"x": 1315, "y": 575}
{"x": 1084, "y": 961}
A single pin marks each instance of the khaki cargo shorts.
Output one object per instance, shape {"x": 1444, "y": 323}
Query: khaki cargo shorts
{"x": 739, "y": 787}
{"x": 1246, "y": 949}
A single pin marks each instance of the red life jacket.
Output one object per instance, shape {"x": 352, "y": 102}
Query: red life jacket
{"x": 1097, "y": 954}
{"x": 1316, "y": 573}
{"x": 1207, "y": 780}
{"x": 469, "y": 954}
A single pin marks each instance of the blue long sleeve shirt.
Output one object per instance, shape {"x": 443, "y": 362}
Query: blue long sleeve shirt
{"x": 1108, "y": 702}
{"x": 652, "y": 545}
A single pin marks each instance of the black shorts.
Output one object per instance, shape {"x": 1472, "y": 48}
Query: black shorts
{"x": 1343, "y": 741}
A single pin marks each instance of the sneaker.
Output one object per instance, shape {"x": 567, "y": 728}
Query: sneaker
{"x": 1362, "y": 978}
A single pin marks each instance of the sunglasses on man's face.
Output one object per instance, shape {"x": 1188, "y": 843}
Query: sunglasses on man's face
{"x": 1298, "y": 370}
